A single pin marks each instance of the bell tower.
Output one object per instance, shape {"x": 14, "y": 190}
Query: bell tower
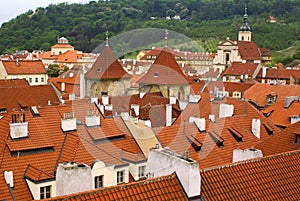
{"x": 245, "y": 30}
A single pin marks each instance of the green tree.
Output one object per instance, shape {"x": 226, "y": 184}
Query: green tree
{"x": 53, "y": 70}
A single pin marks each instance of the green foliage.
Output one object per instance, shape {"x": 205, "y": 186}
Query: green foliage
{"x": 202, "y": 20}
{"x": 53, "y": 70}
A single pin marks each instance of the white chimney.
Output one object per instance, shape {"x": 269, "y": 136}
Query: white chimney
{"x": 9, "y": 178}
{"x": 168, "y": 115}
{"x": 142, "y": 94}
{"x": 71, "y": 74}
{"x": 212, "y": 118}
{"x": 163, "y": 162}
{"x": 63, "y": 86}
{"x": 68, "y": 123}
{"x": 92, "y": 119}
{"x": 136, "y": 109}
{"x": 241, "y": 155}
{"x": 82, "y": 86}
{"x": 194, "y": 98}
{"x": 225, "y": 110}
{"x": 73, "y": 178}
{"x": 256, "y": 127}
{"x": 108, "y": 107}
{"x": 264, "y": 71}
{"x": 71, "y": 96}
{"x": 105, "y": 100}
{"x": 18, "y": 126}
{"x": 172, "y": 100}
{"x": 200, "y": 122}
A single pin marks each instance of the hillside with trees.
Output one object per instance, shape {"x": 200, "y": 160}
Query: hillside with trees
{"x": 207, "y": 21}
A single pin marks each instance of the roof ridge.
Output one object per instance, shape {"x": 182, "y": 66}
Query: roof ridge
{"x": 253, "y": 160}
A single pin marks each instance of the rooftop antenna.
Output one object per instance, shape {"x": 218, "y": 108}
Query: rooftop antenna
{"x": 166, "y": 38}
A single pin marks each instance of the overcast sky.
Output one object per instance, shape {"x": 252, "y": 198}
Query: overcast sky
{"x": 10, "y": 9}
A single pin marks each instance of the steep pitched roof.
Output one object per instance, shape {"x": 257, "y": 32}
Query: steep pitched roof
{"x": 165, "y": 70}
{"x": 160, "y": 188}
{"x": 269, "y": 178}
{"x": 24, "y": 67}
{"x": 107, "y": 67}
{"x": 239, "y": 68}
{"x": 248, "y": 50}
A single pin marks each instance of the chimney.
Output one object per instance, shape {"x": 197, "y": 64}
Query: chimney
{"x": 136, "y": 109}
{"x": 71, "y": 74}
{"x": 82, "y": 86}
{"x": 168, "y": 115}
{"x": 63, "y": 86}
{"x": 172, "y": 100}
{"x": 105, "y": 99}
{"x": 92, "y": 119}
{"x": 70, "y": 175}
{"x": 241, "y": 155}
{"x": 142, "y": 94}
{"x": 289, "y": 100}
{"x": 256, "y": 127}
{"x": 68, "y": 123}
{"x": 9, "y": 178}
{"x": 71, "y": 96}
{"x": 194, "y": 98}
{"x": 164, "y": 162}
{"x": 264, "y": 71}
{"x": 200, "y": 122}
{"x": 212, "y": 118}
{"x": 18, "y": 126}
{"x": 225, "y": 110}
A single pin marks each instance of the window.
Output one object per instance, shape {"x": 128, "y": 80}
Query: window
{"x": 120, "y": 176}
{"x": 30, "y": 80}
{"x": 45, "y": 192}
{"x": 142, "y": 170}
{"x": 36, "y": 79}
{"x": 99, "y": 181}
{"x": 297, "y": 141}
{"x": 42, "y": 79}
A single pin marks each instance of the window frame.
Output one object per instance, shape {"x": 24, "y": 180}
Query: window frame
{"x": 45, "y": 192}
{"x": 120, "y": 176}
{"x": 142, "y": 171}
{"x": 98, "y": 180}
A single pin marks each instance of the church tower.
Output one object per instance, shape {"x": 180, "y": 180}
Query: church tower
{"x": 245, "y": 31}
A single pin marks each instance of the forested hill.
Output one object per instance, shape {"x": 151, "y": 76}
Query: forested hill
{"x": 203, "y": 20}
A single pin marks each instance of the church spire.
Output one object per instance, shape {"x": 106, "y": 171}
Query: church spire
{"x": 106, "y": 38}
{"x": 245, "y": 26}
{"x": 166, "y": 38}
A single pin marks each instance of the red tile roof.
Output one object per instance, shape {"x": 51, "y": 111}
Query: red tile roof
{"x": 248, "y": 50}
{"x": 211, "y": 154}
{"x": 239, "y": 68}
{"x": 284, "y": 141}
{"x": 165, "y": 70}
{"x": 24, "y": 67}
{"x": 13, "y": 83}
{"x": 279, "y": 73}
{"x": 39, "y": 160}
{"x": 155, "y": 52}
{"x": 25, "y": 97}
{"x": 270, "y": 178}
{"x": 70, "y": 56}
{"x": 62, "y": 45}
{"x": 107, "y": 67}
{"x": 166, "y": 188}
{"x": 258, "y": 92}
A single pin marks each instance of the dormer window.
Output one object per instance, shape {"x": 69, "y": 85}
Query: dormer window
{"x": 271, "y": 98}
{"x": 297, "y": 140}
{"x": 156, "y": 74}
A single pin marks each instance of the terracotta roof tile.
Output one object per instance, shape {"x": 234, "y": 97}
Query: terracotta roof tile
{"x": 107, "y": 67}
{"x": 13, "y": 83}
{"x": 165, "y": 70}
{"x": 239, "y": 68}
{"x": 24, "y": 67}
{"x": 248, "y": 50}
{"x": 217, "y": 142}
{"x": 70, "y": 56}
{"x": 164, "y": 188}
{"x": 269, "y": 178}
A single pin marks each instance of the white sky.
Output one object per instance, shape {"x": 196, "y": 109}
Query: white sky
{"x": 10, "y": 9}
